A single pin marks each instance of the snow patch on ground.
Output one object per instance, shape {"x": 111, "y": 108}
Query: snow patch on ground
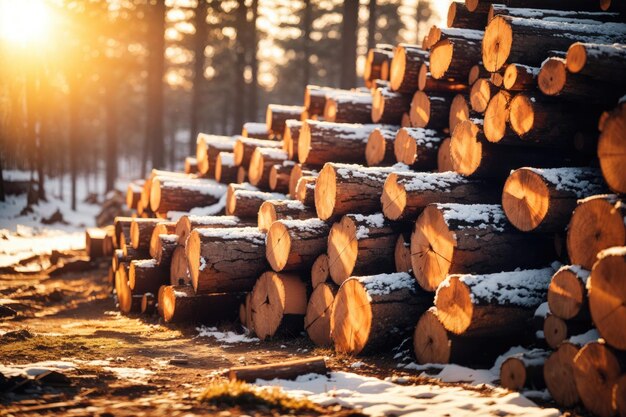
{"x": 137, "y": 375}
{"x": 227, "y": 338}
{"x": 36, "y": 368}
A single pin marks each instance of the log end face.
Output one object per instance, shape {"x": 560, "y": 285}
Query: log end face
{"x": 218, "y": 167}
{"x": 465, "y": 150}
{"x": 420, "y": 109}
{"x": 393, "y": 199}
{"x": 123, "y": 291}
{"x": 375, "y": 148}
{"x": 398, "y": 68}
{"x": 278, "y": 246}
{"x": 576, "y": 57}
{"x": 558, "y": 373}
{"x": 497, "y": 43}
{"x": 304, "y": 142}
{"x": 155, "y": 195}
{"x": 459, "y": 111}
{"x": 378, "y": 105}
{"x": 318, "y": 312}
{"x": 480, "y": 95}
{"x": 522, "y": 114}
{"x": 266, "y": 216}
{"x": 169, "y": 303}
{"x": 255, "y": 169}
{"x": 342, "y": 249}
{"x": 566, "y": 294}
{"x": 268, "y": 119}
{"x": 134, "y": 234}
{"x": 552, "y": 76}
{"x": 431, "y": 343}
{"x": 510, "y": 76}
{"x": 320, "y": 271}
{"x": 351, "y": 319}
{"x": 440, "y": 58}
{"x": 238, "y": 151}
{"x": 612, "y": 149}
{"x": 192, "y": 250}
{"x": 422, "y": 77}
{"x": 325, "y": 192}
{"x": 444, "y": 162}
{"x": 273, "y": 178}
{"x": 513, "y": 374}
{"x": 554, "y": 330}
{"x": 496, "y": 115}
{"x": 231, "y": 200}
{"x": 330, "y": 110}
{"x": 525, "y": 199}
{"x": 402, "y": 255}
{"x": 451, "y": 14}
{"x": 454, "y": 305}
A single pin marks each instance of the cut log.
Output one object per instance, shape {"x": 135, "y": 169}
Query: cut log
{"x": 459, "y": 111}
{"x": 322, "y": 142}
{"x": 189, "y": 222}
{"x": 558, "y": 374}
{"x": 273, "y": 210}
{"x": 597, "y": 223}
{"x": 293, "y": 245}
{"x": 127, "y": 301}
{"x": 315, "y": 99}
{"x": 320, "y": 271}
{"x": 557, "y": 330}
{"x": 405, "y": 67}
{"x": 318, "y": 312}
{"x": 279, "y": 304}
{"x": 361, "y": 244}
{"x": 261, "y": 162}
{"x": 388, "y": 106}
{"x": 612, "y": 149}
{"x": 444, "y": 161}
{"x": 518, "y": 77}
{"x": 372, "y": 313}
{"x": 454, "y": 56}
{"x": 183, "y": 195}
{"x": 179, "y": 269}
{"x": 225, "y": 168}
{"x": 473, "y": 156}
{"x": 141, "y": 232}
{"x": 244, "y": 148}
{"x": 542, "y": 200}
{"x": 276, "y": 116}
{"x": 481, "y": 93}
{"x": 429, "y": 84}
{"x": 379, "y": 150}
{"x": 497, "y": 304}
{"x": 524, "y": 370}
{"x": 402, "y": 253}
{"x": 163, "y": 249}
{"x": 597, "y": 368}
{"x": 477, "y": 71}
{"x": 191, "y": 167}
{"x": 417, "y": 147}
{"x": 405, "y": 195}
{"x": 459, "y": 16}
{"x": 118, "y": 259}
{"x": 133, "y": 194}
{"x": 305, "y": 190}
{"x": 351, "y": 107}
{"x": 279, "y": 176}
{"x": 607, "y": 296}
{"x": 341, "y": 189}
{"x": 431, "y": 111}
{"x": 244, "y": 200}
{"x": 146, "y": 276}
{"x": 290, "y": 138}
{"x": 285, "y": 370}
{"x": 207, "y": 148}
{"x": 567, "y": 294}
{"x": 515, "y": 39}
{"x": 122, "y": 226}
{"x": 497, "y": 78}
{"x": 548, "y": 13}
{"x": 555, "y": 80}
{"x": 375, "y": 62}
{"x": 599, "y": 62}
{"x": 144, "y": 200}
{"x": 255, "y": 130}
{"x": 225, "y": 260}
{"x": 182, "y": 305}
{"x": 94, "y": 242}
{"x": 148, "y": 304}
{"x": 446, "y": 236}
{"x": 161, "y": 228}
{"x": 496, "y": 119}
{"x": 241, "y": 175}
{"x": 297, "y": 172}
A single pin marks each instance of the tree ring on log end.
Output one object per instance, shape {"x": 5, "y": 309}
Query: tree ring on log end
{"x": 521, "y": 115}
{"x": 612, "y": 149}
{"x": 566, "y": 294}
{"x": 318, "y": 312}
{"x": 510, "y": 76}
{"x": 420, "y": 109}
{"x": 267, "y": 216}
{"x": 405, "y": 147}
{"x": 342, "y": 249}
{"x": 325, "y": 192}
{"x": 255, "y": 169}
{"x": 554, "y": 330}
{"x": 378, "y": 105}
{"x": 431, "y": 343}
{"x": 497, "y": 43}
{"x": 155, "y": 194}
{"x": 192, "y": 250}
{"x": 444, "y": 162}
{"x": 393, "y": 198}
{"x": 496, "y": 117}
{"x": 525, "y": 199}
{"x": 465, "y": 150}
{"x": 480, "y": 94}
{"x": 278, "y": 246}
{"x": 454, "y": 306}
{"x": 558, "y": 373}
{"x": 375, "y": 148}
{"x": 576, "y": 57}
{"x": 432, "y": 248}
{"x": 440, "y": 58}
{"x": 422, "y": 76}
{"x": 451, "y": 14}
{"x": 552, "y": 76}
{"x": 459, "y": 111}
{"x": 398, "y": 67}
{"x": 513, "y": 374}
{"x": 238, "y": 152}
{"x": 351, "y": 319}
{"x": 304, "y": 142}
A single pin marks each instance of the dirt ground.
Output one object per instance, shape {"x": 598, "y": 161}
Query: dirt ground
{"x": 72, "y": 317}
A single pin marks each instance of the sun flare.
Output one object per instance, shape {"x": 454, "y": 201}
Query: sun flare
{"x": 24, "y": 22}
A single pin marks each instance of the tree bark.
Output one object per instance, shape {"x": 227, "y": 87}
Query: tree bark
{"x": 146, "y": 276}
{"x": 388, "y": 106}
{"x": 278, "y": 114}
{"x": 273, "y": 210}
{"x": 349, "y": 27}
{"x": 182, "y": 305}
{"x": 245, "y": 201}
{"x": 199, "y": 42}
{"x": 189, "y": 222}
{"x": 285, "y": 370}
{"x": 171, "y": 194}
{"x": 379, "y": 148}
{"x": 279, "y": 176}
{"x": 524, "y": 370}
{"x": 154, "y": 93}
{"x": 417, "y": 147}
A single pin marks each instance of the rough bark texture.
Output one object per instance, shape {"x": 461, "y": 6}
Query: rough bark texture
{"x": 182, "y": 305}
{"x": 146, "y": 276}
{"x": 388, "y": 106}
{"x": 279, "y": 176}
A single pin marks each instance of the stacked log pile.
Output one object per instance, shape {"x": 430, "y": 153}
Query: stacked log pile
{"x": 480, "y": 172}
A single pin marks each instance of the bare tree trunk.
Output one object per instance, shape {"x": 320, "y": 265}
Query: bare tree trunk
{"x": 349, "y": 43}
{"x": 111, "y": 133}
{"x": 154, "y": 140}
{"x": 173, "y": 130}
{"x": 31, "y": 129}
{"x": 74, "y": 134}
{"x": 371, "y": 25}
{"x": 253, "y": 95}
{"x": 240, "y": 62}
{"x": 2, "y": 197}
{"x": 306, "y": 73}
{"x": 198, "y": 76}
{"x": 41, "y": 143}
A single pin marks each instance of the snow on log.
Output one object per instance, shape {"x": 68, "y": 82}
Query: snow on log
{"x": 353, "y": 107}
{"x": 273, "y": 210}
{"x": 255, "y": 130}
{"x": 146, "y": 275}
{"x": 524, "y": 370}
{"x": 277, "y": 114}
{"x": 244, "y": 200}
{"x": 279, "y": 176}
{"x": 225, "y": 168}
{"x": 430, "y": 110}
{"x": 244, "y": 148}
{"x": 388, "y": 106}
{"x": 379, "y": 149}
{"x": 417, "y": 147}
{"x": 405, "y": 65}
{"x": 261, "y": 162}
